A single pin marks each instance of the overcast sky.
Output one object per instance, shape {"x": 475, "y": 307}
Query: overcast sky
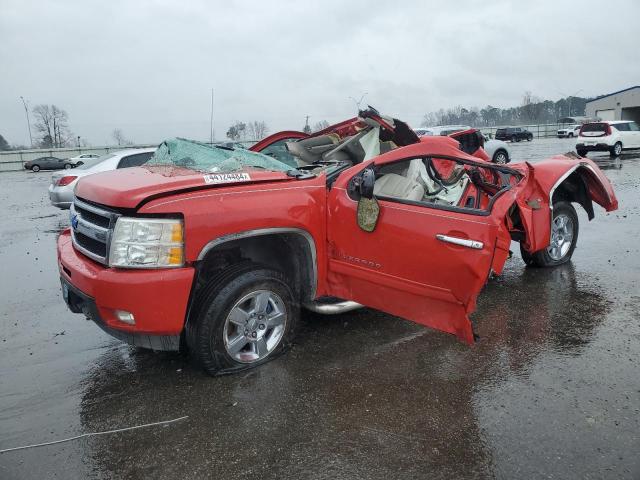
{"x": 148, "y": 67}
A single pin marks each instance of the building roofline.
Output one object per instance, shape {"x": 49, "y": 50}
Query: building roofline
{"x": 614, "y": 93}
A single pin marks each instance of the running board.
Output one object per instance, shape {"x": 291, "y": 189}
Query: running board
{"x": 332, "y": 308}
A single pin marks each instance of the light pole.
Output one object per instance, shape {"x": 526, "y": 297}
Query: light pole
{"x": 78, "y": 142}
{"x": 26, "y": 110}
{"x": 211, "y": 123}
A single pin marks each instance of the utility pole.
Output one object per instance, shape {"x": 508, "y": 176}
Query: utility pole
{"x": 26, "y": 110}
{"x": 211, "y": 124}
{"x": 570, "y": 97}
{"x": 307, "y": 128}
{"x": 358, "y": 102}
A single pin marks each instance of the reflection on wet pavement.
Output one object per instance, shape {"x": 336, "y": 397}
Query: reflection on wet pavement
{"x": 551, "y": 388}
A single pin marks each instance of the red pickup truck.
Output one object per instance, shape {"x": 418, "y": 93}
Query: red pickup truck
{"x": 216, "y": 249}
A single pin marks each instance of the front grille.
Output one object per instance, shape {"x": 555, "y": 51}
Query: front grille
{"x": 91, "y": 229}
{"x": 92, "y": 217}
{"x": 91, "y": 245}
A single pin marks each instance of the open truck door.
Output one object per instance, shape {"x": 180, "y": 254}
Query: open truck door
{"x": 418, "y": 237}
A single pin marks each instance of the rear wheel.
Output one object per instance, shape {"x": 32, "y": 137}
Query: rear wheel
{"x": 35, "y": 168}
{"x": 564, "y": 236}
{"x": 616, "y": 150}
{"x": 581, "y": 152}
{"x": 514, "y": 138}
{"x": 246, "y": 317}
{"x": 67, "y": 166}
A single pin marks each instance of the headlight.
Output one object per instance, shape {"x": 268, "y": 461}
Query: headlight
{"x": 147, "y": 243}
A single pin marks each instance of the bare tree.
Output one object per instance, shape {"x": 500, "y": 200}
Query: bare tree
{"x": 237, "y": 131}
{"x": 321, "y": 125}
{"x": 51, "y": 126}
{"x": 119, "y": 137}
{"x": 256, "y": 130}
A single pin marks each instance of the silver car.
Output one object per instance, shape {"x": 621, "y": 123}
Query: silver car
{"x": 63, "y": 183}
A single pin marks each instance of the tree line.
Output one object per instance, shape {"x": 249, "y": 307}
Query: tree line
{"x": 532, "y": 110}
{"x": 258, "y": 129}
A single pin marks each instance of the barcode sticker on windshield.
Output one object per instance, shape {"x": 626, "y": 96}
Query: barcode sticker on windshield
{"x": 226, "y": 177}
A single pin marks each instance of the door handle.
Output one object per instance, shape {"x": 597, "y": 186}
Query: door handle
{"x": 463, "y": 242}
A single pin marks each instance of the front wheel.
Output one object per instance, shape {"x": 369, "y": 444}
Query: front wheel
{"x": 68, "y": 166}
{"x": 245, "y": 318}
{"x": 35, "y": 168}
{"x": 564, "y": 236}
{"x": 500, "y": 157}
{"x": 529, "y": 138}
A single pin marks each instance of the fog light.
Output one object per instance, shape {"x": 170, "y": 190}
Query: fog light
{"x": 124, "y": 316}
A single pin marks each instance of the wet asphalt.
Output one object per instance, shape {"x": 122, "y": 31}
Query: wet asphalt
{"x": 551, "y": 390}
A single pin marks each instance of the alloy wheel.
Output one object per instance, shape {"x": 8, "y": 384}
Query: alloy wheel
{"x": 255, "y": 326}
{"x": 561, "y": 237}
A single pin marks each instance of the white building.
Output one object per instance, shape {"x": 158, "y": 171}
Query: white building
{"x": 622, "y": 105}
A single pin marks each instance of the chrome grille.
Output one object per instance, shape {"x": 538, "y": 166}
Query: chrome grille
{"x": 91, "y": 229}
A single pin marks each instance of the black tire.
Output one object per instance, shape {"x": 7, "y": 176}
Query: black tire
{"x": 570, "y": 135}
{"x": 616, "y": 150}
{"x": 205, "y": 332}
{"x": 501, "y": 157}
{"x": 514, "y": 138}
{"x": 68, "y": 166}
{"x": 35, "y": 168}
{"x": 581, "y": 152}
{"x": 529, "y": 137}
{"x": 543, "y": 258}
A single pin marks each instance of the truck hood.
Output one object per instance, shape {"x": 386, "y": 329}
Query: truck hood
{"x": 129, "y": 187}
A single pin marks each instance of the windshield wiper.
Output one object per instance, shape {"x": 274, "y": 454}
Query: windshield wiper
{"x": 299, "y": 175}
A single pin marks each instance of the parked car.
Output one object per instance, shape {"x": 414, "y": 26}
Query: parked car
{"x": 48, "y": 163}
{"x": 608, "y": 136}
{"x": 83, "y": 158}
{"x": 62, "y": 184}
{"x": 569, "y": 132}
{"x": 514, "y": 134}
{"x": 217, "y": 249}
{"x": 497, "y": 150}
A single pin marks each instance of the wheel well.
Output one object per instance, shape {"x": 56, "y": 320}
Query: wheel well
{"x": 500, "y": 150}
{"x": 574, "y": 189}
{"x": 289, "y": 252}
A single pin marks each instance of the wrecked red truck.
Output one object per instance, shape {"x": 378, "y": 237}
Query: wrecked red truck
{"x": 217, "y": 249}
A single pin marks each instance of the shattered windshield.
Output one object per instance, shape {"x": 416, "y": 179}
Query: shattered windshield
{"x": 214, "y": 159}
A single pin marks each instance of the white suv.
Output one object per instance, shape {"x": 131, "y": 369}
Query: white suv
{"x": 570, "y": 131}
{"x": 612, "y": 137}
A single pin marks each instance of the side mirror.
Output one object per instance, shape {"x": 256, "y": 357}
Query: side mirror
{"x": 368, "y": 213}
{"x": 367, "y": 181}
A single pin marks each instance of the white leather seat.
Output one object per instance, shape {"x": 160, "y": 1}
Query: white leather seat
{"x": 397, "y": 186}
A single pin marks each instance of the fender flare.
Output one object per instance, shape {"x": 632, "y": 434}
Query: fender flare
{"x": 216, "y": 242}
